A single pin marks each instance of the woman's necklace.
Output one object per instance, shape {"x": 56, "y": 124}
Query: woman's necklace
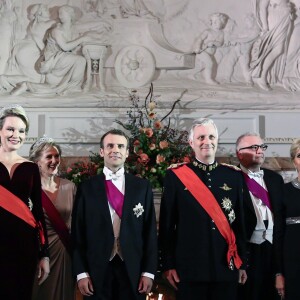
{"x": 296, "y": 183}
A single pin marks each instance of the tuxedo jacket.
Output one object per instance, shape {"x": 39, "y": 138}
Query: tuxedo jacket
{"x": 189, "y": 240}
{"x": 275, "y": 186}
{"x": 93, "y": 236}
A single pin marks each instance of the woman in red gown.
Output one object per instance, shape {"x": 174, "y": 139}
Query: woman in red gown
{"x": 23, "y": 244}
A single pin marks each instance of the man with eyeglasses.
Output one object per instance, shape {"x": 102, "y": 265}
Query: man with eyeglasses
{"x": 262, "y": 205}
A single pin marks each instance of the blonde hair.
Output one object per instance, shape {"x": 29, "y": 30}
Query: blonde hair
{"x": 14, "y": 110}
{"x": 294, "y": 148}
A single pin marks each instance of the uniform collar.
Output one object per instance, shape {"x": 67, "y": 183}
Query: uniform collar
{"x": 204, "y": 167}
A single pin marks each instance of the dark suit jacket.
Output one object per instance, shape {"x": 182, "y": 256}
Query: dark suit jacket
{"x": 188, "y": 238}
{"x": 92, "y": 230}
{"x": 275, "y": 185}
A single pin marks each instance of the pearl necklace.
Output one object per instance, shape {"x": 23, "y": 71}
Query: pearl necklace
{"x": 296, "y": 183}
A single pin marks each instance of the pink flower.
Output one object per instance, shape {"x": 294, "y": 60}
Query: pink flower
{"x": 157, "y": 125}
{"x": 152, "y": 146}
{"x": 160, "y": 158}
{"x": 143, "y": 158}
{"x": 69, "y": 170}
{"x": 136, "y": 143}
{"x": 149, "y": 132}
{"x": 163, "y": 144}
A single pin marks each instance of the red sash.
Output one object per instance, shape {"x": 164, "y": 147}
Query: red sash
{"x": 17, "y": 207}
{"x": 57, "y": 222}
{"x": 198, "y": 189}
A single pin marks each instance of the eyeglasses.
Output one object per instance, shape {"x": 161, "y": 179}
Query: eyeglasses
{"x": 263, "y": 147}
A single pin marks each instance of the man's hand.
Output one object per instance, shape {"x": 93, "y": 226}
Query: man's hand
{"x": 279, "y": 285}
{"x": 172, "y": 277}
{"x": 242, "y": 276}
{"x": 145, "y": 285}
{"x": 85, "y": 286}
{"x": 43, "y": 270}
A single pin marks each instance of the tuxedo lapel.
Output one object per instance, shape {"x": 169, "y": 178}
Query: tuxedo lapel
{"x": 128, "y": 198}
{"x": 99, "y": 198}
{"x": 269, "y": 186}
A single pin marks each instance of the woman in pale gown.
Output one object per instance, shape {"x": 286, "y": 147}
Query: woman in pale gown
{"x": 57, "y": 200}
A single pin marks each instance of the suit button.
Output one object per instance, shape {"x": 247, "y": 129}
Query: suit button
{"x": 213, "y": 228}
{"x": 209, "y": 186}
{"x": 209, "y": 179}
{"x": 208, "y": 174}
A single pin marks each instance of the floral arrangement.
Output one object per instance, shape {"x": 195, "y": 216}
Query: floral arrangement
{"x": 80, "y": 171}
{"x": 154, "y": 144}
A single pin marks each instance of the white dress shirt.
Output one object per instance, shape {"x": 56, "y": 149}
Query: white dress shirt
{"x": 262, "y": 212}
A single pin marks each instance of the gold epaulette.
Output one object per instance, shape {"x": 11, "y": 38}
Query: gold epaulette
{"x": 175, "y": 166}
{"x": 231, "y": 166}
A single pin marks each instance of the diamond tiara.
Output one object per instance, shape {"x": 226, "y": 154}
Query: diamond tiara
{"x": 11, "y": 106}
{"x": 42, "y": 140}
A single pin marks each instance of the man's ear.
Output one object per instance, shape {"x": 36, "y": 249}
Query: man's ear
{"x": 127, "y": 153}
{"x": 101, "y": 152}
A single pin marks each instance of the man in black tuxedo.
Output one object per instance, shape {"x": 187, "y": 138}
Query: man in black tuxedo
{"x": 114, "y": 229}
{"x": 201, "y": 229}
{"x": 262, "y": 209}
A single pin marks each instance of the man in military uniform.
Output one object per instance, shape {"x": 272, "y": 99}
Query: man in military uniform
{"x": 262, "y": 211}
{"x": 201, "y": 229}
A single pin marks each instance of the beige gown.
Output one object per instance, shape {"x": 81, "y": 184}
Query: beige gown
{"x": 60, "y": 284}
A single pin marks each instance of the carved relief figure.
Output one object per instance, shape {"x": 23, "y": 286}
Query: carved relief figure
{"x": 8, "y": 19}
{"x": 26, "y": 53}
{"x": 142, "y": 8}
{"x": 93, "y": 19}
{"x": 63, "y": 68}
{"x": 269, "y": 51}
{"x": 291, "y": 80}
{"x": 133, "y": 8}
{"x": 207, "y": 44}
{"x": 240, "y": 51}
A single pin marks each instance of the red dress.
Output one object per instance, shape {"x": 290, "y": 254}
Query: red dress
{"x": 19, "y": 242}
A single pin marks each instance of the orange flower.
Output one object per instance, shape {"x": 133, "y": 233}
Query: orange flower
{"x": 143, "y": 158}
{"x": 151, "y": 115}
{"x": 160, "y": 158}
{"x": 157, "y": 125}
{"x": 152, "y": 146}
{"x": 149, "y": 132}
{"x": 163, "y": 144}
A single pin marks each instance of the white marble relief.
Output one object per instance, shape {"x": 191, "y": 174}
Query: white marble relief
{"x": 162, "y": 41}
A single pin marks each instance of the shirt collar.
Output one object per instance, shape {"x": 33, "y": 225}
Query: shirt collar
{"x": 110, "y": 175}
{"x": 258, "y": 174}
